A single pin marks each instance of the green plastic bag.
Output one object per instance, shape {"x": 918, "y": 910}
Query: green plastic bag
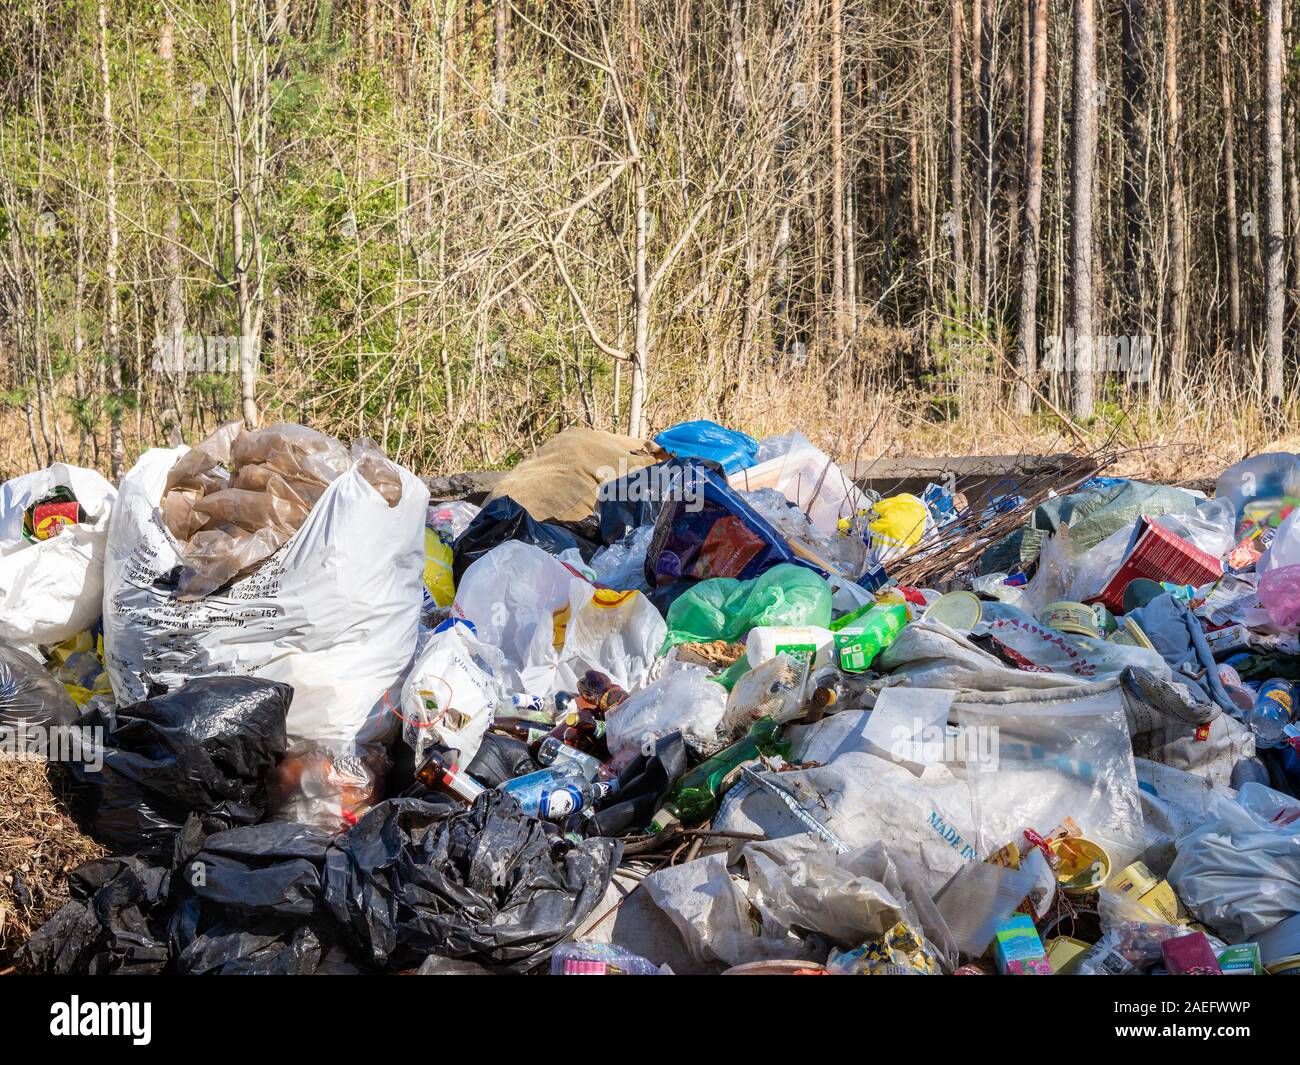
{"x": 725, "y": 609}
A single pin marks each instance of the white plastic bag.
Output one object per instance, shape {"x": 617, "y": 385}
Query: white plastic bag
{"x": 551, "y": 625}
{"x": 857, "y": 797}
{"x": 52, "y": 589}
{"x": 451, "y": 692}
{"x": 1285, "y": 548}
{"x": 334, "y": 612}
{"x": 1239, "y": 873}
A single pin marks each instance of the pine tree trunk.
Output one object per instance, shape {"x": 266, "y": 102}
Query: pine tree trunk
{"x": 1084, "y": 150}
{"x": 1177, "y": 336}
{"x": 1231, "y": 224}
{"x": 955, "y": 221}
{"x": 1031, "y": 223}
{"x": 1273, "y": 279}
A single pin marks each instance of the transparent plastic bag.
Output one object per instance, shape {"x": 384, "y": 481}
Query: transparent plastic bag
{"x": 1279, "y": 591}
{"x": 774, "y": 689}
{"x": 685, "y": 700}
{"x": 236, "y": 498}
{"x": 1239, "y": 872}
{"x": 622, "y": 565}
{"x": 807, "y": 477}
{"x": 1059, "y": 753}
{"x": 451, "y": 692}
{"x": 1211, "y": 527}
{"x": 1127, "y": 949}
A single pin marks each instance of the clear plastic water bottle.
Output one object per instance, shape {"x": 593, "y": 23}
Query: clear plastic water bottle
{"x": 554, "y": 752}
{"x": 557, "y": 791}
{"x": 1274, "y": 709}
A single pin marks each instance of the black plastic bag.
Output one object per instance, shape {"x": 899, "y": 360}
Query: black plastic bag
{"x": 250, "y": 902}
{"x": 628, "y": 502}
{"x": 203, "y": 748}
{"x": 30, "y": 698}
{"x": 414, "y": 878}
{"x": 500, "y": 758}
{"x": 503, "y": 519}
{"x": 643, "y": 784}
{"x": 115, "y": 922}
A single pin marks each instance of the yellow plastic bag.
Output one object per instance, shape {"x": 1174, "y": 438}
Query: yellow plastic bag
{"x": 900, "y": 523}
{"x": 437, "y": 569}
{"x": 78, "y": 664}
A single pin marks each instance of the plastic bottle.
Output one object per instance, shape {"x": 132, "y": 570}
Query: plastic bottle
{"x": 557, "y": 791}
{"x": 439, "y": 773}
{"x": 1274, "y": 709}
{"x": 859, "y": 643}
{"x": 599, "y": 959}
{"x": 552, "y": 751}
{"x": 694, "y": 798}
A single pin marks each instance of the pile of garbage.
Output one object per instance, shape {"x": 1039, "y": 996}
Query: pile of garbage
{"x": 694, "y": 704}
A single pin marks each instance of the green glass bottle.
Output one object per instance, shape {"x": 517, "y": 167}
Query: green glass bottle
{"x": 694, "y": 798}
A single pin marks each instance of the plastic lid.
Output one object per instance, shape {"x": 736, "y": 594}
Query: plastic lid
{"x": 957, "y": 610}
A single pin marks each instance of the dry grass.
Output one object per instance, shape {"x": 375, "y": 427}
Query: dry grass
{"x": 40, "y": 843}
{"x": 862, "y": 410}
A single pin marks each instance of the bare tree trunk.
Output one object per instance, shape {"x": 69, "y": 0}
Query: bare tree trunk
{"x": 500, "y": 55}
{"x": 1082, "y": 167}
{"x": 1230, "y": 183}
{"x": 1136, "y": 131}
{"x": 246, "y": 129}
{"x": 837, "y": 174}
{"x": 1177, "y": 207}
{"x": 172, "y": 341}
{"x": 1031, "y": 223}
{"x": 117, "y": 445}
{"x": 955, "y": 213}
{"x": 1274, "y": 229}
{"x": 640, "y": 308}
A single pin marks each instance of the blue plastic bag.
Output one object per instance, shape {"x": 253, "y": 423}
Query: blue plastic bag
{"x": 704, "y": 439}
{"x": 706, "y": 529}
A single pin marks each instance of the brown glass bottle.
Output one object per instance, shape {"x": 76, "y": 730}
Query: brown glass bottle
{"x": 598, "y": 693}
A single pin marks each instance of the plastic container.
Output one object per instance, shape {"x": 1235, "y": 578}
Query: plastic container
{"x": 1084, "y": 865}
{"x": 1274, "y": 709}
{"x": 808, "y": 642}
{"x": 1076, "y": 618}
{"x": 957, "y": 610}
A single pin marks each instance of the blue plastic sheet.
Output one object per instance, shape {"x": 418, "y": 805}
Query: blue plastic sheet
{"x": 704, "y": 439}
